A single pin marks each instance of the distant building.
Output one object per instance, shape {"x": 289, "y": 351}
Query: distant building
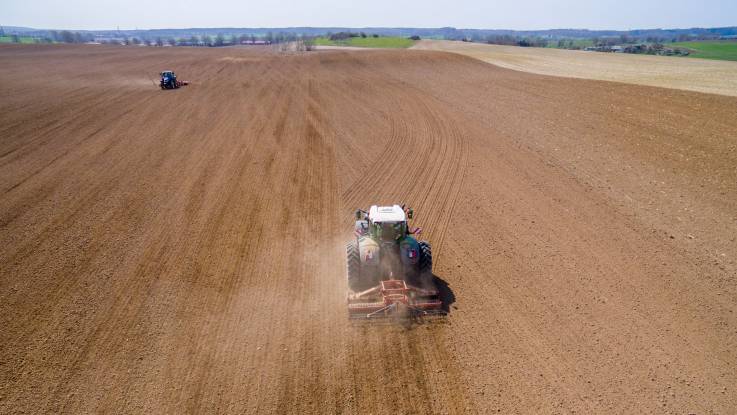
{"x": 617, "y": 49}
{"x": 255, "y": 42}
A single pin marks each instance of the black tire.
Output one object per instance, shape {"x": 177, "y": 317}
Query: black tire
{"x": 353, "y": 265}
{"x": 425, "y": 264}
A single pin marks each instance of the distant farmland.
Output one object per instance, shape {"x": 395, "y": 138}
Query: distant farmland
{"x": 21, "y": 39}
{"x": 710, "y": 76}
{"x": 714, "y": 49}
{"x": 393, "y": 42}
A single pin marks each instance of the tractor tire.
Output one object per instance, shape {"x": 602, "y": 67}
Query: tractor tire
{"x": 353, "y": 266}
{"x": 425, "y": 264}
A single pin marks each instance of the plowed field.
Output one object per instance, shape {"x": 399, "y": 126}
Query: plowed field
{"x": 183, "y": 251}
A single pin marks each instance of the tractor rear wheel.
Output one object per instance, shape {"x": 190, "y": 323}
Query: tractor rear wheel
{"x": 425, "y": 264}
{"x": 353, "y": 264}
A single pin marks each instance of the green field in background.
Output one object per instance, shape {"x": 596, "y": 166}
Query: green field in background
{"x": 579, "y": 43}
{"x": 22, "y": 39}
{"x": 367, "y": 42}
{"x": 710, "y": 49}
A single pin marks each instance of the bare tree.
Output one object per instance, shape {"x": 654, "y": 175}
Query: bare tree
{"x": 308, "y": 43}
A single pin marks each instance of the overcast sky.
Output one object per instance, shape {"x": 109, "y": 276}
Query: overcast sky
{"x": 489, "y": 14}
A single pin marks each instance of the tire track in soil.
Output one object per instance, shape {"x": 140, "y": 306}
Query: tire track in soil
{"x": 422, "y": 164}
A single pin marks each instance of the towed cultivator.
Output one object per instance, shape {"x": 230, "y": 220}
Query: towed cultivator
{"x": 394, "y": 298}
{"x": 384, "y": 248}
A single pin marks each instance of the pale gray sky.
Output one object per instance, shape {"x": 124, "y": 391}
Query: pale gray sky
{"x": 490, "y": 14}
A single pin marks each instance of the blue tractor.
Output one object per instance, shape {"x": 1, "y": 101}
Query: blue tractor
{"x": 169, "y": 80}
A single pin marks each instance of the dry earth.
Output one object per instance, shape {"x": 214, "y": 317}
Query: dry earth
{"x": 181, "y": 251}
{"x": 710, "y": 76}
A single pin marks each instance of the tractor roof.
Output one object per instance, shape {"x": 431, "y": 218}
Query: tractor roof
{"x": 387, "y": 214}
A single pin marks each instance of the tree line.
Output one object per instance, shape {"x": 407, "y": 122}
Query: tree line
{"x": 565, "y": 43}
{"x": 217, "y": 40}
{"x": 67, "y": 36}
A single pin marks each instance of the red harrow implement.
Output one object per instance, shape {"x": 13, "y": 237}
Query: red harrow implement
{"x": 394, "y": 298}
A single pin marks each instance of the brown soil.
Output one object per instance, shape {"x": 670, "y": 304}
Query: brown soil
{"x": 182, "y": 251}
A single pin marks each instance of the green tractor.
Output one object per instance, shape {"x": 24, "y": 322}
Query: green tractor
{"x": 389, "y": 271}
{"x": 385, "y": 248}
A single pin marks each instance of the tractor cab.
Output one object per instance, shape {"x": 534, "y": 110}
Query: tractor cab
{"x": 387, "y": 223}
{"x": 384, "y": 223}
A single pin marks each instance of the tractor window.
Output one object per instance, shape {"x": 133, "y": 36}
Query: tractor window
{"x": 390, "y": 231}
